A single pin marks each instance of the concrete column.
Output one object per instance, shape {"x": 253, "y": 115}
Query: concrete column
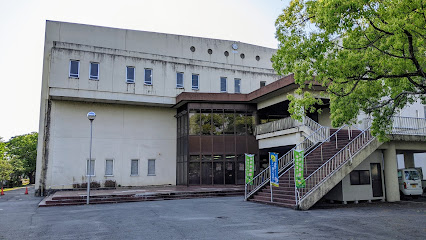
{"x": 408, "y": 159}
{"x": 391, "y": 174}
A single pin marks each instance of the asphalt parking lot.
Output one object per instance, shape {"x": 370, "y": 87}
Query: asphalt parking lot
{"x": 209, "y": 218}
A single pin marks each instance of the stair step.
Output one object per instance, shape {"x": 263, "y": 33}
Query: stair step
{"x": 274, "y": 203}
{"x": 275, "y": 199}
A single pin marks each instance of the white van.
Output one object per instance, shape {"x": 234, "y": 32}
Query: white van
{"x": 410, "y": 182}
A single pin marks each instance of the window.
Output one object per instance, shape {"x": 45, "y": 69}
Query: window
{"x": 151, "y": 167}
{"x": 94, "y": 71}
{"x": 74, "y": 68}
{"x": 262, "y": 83}
{"x": 109, "y": 167}
{"x": 130, "y": 74}
{"x": 195, "y": 83}
{"x": 223, "y": 84}
{"x": 179, "y": 80}
{"x": 148, "y": 76}
{"x": 237, "y": 84}
{"x": 134, "y": 169}
{"x": 361, "y": 177}
{"x": 91, "y": 171}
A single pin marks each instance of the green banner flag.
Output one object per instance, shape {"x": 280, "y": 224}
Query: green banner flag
{"x": 249, "y": 168}
{"x": 298, "y": 168}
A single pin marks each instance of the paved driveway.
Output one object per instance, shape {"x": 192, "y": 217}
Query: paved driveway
{"x": 210, "y": 218}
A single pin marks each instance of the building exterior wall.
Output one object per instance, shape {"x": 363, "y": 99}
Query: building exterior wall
{"x": 344, "y": 191}
{"x": 120, "y": 133}
{"x": 123, "y": 108}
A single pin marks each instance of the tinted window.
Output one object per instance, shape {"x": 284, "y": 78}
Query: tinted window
{"x": 411, "y": 175}
{"x": 179, "y": 80}
{"x": 148, "y": 76}
{"x": 360, "y": 177}
{"x": 74, "y": 68}
{"x": 195, "y": 82}
{"x": 237, "y": 85}
{"x": 94, "y": 71}
{"x": 223, "y": 84}
{"x": 130, "y": 74}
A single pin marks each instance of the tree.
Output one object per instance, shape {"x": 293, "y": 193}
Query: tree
{"x": 23, "y": 152}
{"x": 6, "y": 168}
{"x": 370, "y": 54}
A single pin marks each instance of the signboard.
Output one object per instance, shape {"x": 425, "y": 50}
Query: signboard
{"x": 249, "y": 168}
{"x": 273, "y": 167}
{"x": 298, "y": 168}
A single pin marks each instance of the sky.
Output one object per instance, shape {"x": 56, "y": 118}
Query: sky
{"x": 22, "y": 26}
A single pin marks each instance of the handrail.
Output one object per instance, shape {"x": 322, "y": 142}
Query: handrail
{"x": 335, "y": 163}
{"x": 326, "y": 140}
{"x": 283, "y": 162}
{"x": 286, "y": 123}
{"x": 408, "y": 125}
{"x": 277, "y": 125}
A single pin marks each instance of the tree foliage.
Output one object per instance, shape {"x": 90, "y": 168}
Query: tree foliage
{"x": 370, "y": 54}
{"x": 6, "y": 168}
{"x": 22, "y": 150}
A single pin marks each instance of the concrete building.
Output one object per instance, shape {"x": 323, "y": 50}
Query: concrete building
{"x": 183, "y": 110}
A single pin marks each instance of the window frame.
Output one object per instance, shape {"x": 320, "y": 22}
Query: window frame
{"x": 148, "y": 173}
{"x": 151, "y": 78}
{"x": 360, "y": 181}
{"x": 106, "y": 160}
{"x": 177, "y": 84}
{"x": 235, "y": 85}
{"x": 90, "y": 71}
{"x": 78, "y": 69}
{"x": 131, "y": 81}
{"x": 134, "y": 175}
{"x": 226, "y": 84}
{"x": 198, "y": 82}
{"x": 87, "y": 167}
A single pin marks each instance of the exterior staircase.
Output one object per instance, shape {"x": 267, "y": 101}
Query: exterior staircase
{"x": 285, "y": 194}
{"x": 326, "y": 163}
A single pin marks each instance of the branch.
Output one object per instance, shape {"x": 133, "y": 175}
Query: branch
{"x": 382, "y": 51}
{"x": 411, "y": 51}
{"x": 346, "y": 94}
{"x": 384, "y": 103}
{"x": 417, "y": 84}
{"x": 378, "y": 29}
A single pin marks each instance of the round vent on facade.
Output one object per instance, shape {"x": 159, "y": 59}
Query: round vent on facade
{"x": 192, "y": 49}
{"x": 257, "y": 58}
{"x": 242, "y": 55}
{"x": 210, "y": 51}
{"x": 226, "y": 53}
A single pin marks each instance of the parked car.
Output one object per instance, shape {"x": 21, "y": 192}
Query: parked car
{"x": 410, "y": 183}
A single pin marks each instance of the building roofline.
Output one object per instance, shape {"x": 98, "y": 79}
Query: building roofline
{"x": 273, "y": 89}
{"x": 173, "y": 34}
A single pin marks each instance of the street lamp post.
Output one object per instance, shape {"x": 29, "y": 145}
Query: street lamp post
{"x": 91, "y": 116}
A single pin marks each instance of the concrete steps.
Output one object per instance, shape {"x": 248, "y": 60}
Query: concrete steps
{"x": 120, "y": 198}
{"x": 285, "y": 194}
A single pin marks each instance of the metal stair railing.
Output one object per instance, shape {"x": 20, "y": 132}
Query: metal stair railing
{"x": 283, "y": 162}
{"x": 408, "y": 126}
{"x": 333, "y": 164}
{"x": 287, "y": 123}
{"x": 278, "y": 125}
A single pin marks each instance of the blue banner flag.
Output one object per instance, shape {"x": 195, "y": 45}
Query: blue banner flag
{"x": 273, "y": 167}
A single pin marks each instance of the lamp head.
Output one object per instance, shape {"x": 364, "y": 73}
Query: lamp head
{"x": 91, "y": 116}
